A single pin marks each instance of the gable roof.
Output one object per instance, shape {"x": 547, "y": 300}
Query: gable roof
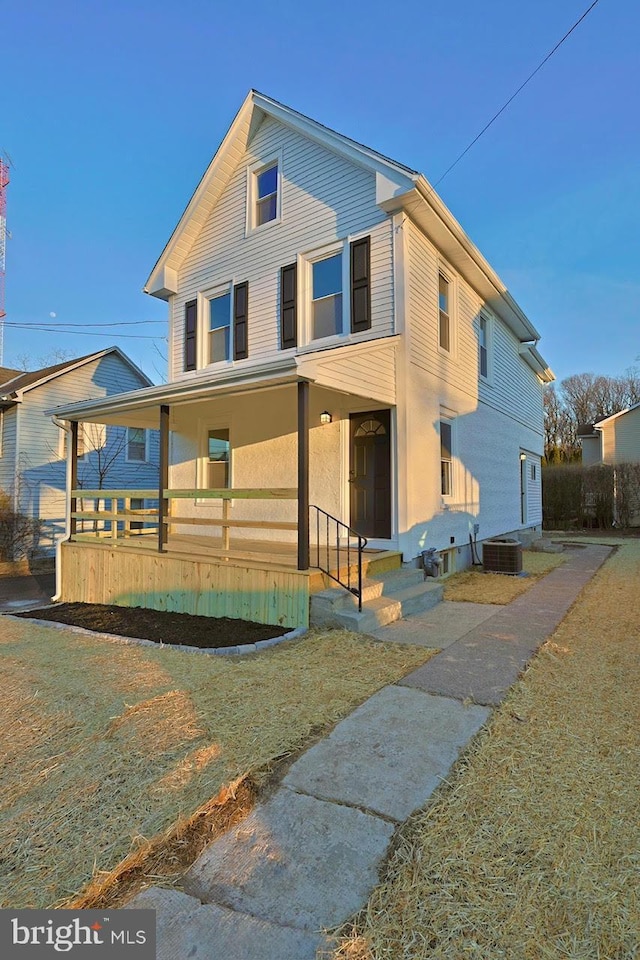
{"x": 10, "y": 389}
{"x": 614, "y": 416}
{"x": 398, "y": 187}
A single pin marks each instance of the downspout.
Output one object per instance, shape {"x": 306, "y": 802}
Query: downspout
{"x": 64, "y": 425}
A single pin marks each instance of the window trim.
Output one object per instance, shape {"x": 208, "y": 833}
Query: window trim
{"x": 451, "y": 421}
{"x": 202, "y": 468}
{"x": 203, "y": 329}
{"x": 305, "y": 293}
{"x": 253, "y": 171}
{"x": 448, "y": 275}
{"x": 145, "y": 433}
{"x": 485, "y": 316}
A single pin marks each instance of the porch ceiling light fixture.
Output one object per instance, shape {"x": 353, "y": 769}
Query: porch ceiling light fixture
{"x": 325, "y": 417}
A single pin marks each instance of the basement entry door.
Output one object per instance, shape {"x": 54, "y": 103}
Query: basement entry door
{"x": 370, "y": 473}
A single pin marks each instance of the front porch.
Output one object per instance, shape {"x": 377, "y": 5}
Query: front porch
{"x": 265, "y": 479}
{"x": 256, "y": 580}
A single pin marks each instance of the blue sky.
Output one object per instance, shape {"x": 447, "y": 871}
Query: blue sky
{"x": 111, "y": 112}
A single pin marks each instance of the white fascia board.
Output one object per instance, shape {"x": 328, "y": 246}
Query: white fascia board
{"x": 191, "y": 220}
{"x": 537, "y": 363}
{"x": 260, "y": 375}
{"x": 331, "y": 140}
{"x": 436, "y": 221}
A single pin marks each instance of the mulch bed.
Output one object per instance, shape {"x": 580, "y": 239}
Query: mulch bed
{"x": 160, "y": 626}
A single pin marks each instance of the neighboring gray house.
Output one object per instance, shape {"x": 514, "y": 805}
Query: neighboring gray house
{"x": 33, "y": 454}
{"x": 613, "y": 440}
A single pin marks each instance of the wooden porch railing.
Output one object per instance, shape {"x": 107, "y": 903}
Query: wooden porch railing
{"x": 116, "y": 514}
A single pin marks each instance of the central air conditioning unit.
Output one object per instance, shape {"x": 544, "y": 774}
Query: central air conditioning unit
{"x": 502, "y": 556}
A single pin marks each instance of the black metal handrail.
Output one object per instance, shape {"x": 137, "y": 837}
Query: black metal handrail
{"x": 323, "y": 526}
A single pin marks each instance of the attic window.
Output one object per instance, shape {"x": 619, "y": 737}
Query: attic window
{"x": 264, "y": 193}
{"x": 267, "y": 195}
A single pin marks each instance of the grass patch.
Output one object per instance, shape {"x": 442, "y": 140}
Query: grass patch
{"x": 110, "y": 750}
{"x": 474, "y": 586}
{"x": 531, "y": 849}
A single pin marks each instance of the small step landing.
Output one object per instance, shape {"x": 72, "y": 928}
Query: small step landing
{"x": 386, "y": 597}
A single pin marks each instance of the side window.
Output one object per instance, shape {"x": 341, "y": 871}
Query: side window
{"x": 483, "y": 347}
{"x": 446, "y": 458}
{"x": 444, "y": 312}
{"x": 136, "y": 444}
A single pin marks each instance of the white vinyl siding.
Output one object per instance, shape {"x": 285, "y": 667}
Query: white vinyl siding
{"x": 8, "y": 458}
{"x": 514, "y": 388}
{"x": 39, "y": 469}
{"x": 621, "y": 438}
{"x": 325, "y": 198}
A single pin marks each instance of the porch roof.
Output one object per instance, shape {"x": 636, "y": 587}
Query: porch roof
{"x": 139, "y": 408}
{"x": 326, "y": 368}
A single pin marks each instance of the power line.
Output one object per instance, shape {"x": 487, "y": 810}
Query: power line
{"x": 513, "y": 96}
{"x": 115, "y": 323}
{"x": 81, "y": 333}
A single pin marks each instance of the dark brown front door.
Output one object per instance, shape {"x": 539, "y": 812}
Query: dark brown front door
{"x": 370, "y": 473}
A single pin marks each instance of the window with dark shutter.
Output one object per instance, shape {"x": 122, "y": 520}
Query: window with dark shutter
{"x": 288, "y": 307}
{"x": 190, "y": 330}
{"x": 360, "y": 285}
{"x": 240, "y": 321}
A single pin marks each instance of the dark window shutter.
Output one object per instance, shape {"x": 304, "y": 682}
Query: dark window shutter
{"x": 190, "y": 332}
{"x": 240, "y": 321}
{"x": 288, "y": 307}
{"x": 360, "y": 285}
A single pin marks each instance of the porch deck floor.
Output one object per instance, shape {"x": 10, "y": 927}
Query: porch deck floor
{"x": 259, "y": 552}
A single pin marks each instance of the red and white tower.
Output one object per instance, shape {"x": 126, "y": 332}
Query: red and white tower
{"x": 4, "y": 180}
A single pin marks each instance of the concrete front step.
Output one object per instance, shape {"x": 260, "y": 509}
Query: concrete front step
{"x": 386, "y": 598}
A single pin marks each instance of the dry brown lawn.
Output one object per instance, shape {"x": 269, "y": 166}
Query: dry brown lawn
{"x": 473, "y": 586}
{"x": 107, "y": 748}
{"x": 532, "y": 850}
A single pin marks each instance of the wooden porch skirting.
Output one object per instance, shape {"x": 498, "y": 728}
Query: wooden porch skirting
{"x": 215, "y": 587}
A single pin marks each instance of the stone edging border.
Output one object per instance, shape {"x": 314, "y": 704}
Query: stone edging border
{"x": 239, "y": 650}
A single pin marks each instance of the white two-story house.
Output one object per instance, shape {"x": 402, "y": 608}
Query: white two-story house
{"x": 339, "y": 351}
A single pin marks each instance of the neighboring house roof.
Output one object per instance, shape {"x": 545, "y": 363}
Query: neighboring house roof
{"x": 12, "y": 389}
{"x": 6, "y": 373}
{"x": 398, "y": 187}
{"x": 600, "y": 423}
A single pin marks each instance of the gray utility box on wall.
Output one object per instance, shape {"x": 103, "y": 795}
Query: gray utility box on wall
{"x": 502, "y": 556}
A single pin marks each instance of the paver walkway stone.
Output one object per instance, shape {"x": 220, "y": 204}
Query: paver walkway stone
{"x": 189, "y": 930}
{"x": 483, "y": 664}
{"x": 390, "y": 754}
{"x": 295, "y": 860}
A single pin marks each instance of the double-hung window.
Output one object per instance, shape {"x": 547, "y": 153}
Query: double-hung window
{"x": 326, "y": 297}
{"x": 264, "y": 192}
{"x": 218, "y": 459}
{"x": 483, "y": 346}
{"x": 219, "y": 328}
{"x": 136, "y": 444}
{"x": 444, "y": 312}
{"x": 266, "y": 188}
{"x": 446, "y": 458}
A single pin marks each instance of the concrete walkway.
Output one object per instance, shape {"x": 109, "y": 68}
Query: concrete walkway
{"x": 27, "y": 592}
{"x": 307, "y": 858}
